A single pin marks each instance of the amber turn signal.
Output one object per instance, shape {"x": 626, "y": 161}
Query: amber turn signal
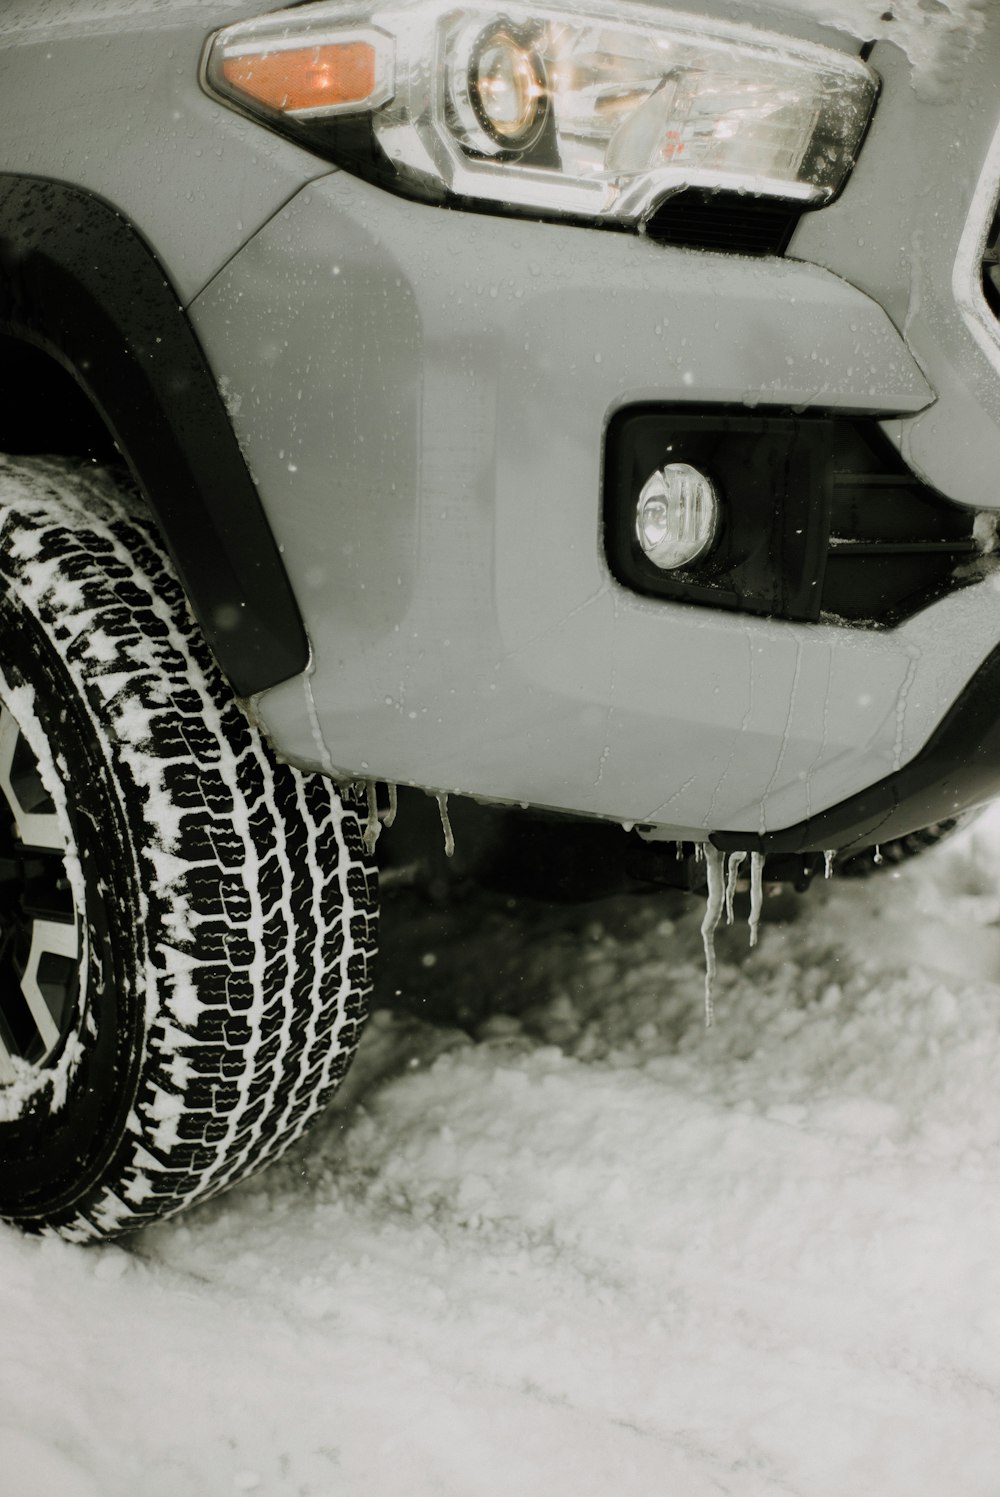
{"x": 305, "y": 81}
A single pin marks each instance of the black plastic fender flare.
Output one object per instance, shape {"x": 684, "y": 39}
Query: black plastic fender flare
{"x": 78, "y": 281}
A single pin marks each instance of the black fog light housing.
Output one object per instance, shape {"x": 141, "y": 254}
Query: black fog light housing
{"x": 815, "y": 516}
{"x": 758, "y": 544}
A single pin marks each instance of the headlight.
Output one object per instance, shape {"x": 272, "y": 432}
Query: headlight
{"x": 595, "y": 114}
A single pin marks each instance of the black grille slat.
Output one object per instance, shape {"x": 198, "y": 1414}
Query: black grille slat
{"x": 895, "y": 544}
{"x": 893, "y": 507}
{"x": 841, "y": 547}
{"x": 875, "y": 480}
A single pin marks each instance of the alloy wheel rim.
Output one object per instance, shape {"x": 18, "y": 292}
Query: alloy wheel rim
{"x": 39, "y": 928}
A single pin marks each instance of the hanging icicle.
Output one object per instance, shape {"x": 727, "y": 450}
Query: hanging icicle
{"x": 828, "y": 858}
{"x": 372, "y": 827}
{"x": 756, "y": 893}
{"x": 390, "y": 815}
{"x": 714, "y": 861}
{"x": 878, "y": 856}
{"x": 449, "y": 839}
{"x": 736, "y": 861}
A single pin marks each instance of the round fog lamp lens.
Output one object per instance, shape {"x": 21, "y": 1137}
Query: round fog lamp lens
{"x": 677, "y": 516}
{"x": 508, "y": 89}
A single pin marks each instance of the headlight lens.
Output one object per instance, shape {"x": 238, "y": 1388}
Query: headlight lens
{"x": 598, "y": 114}
{"x": 507, "y": 91}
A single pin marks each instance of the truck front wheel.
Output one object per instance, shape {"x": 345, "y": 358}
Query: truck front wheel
{"x": 186, "y": 925}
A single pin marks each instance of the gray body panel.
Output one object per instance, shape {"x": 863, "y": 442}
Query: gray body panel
{"x": 909, "y": 229}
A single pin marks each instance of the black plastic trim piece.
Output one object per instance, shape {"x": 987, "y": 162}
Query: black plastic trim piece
{"x": 991, "y": 267}
{"x": 724, "y": 222}
{"x": 78, "y": 282}
{"x": 732, "y": 223}
{"x": 958, "y": 768}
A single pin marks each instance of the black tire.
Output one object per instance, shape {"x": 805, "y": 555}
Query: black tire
{"x": 873, "y": 860}
{"x": 224, "y": 903}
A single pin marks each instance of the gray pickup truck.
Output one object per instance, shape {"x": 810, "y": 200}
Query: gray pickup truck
{"x": 590, "y": 412}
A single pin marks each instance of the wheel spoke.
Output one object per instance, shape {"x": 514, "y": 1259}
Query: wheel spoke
{"x": 39, "y": 937}
{"x": 21, "y": 787}
{"x": 7, "y": 1073}
{"x": 49, "y": 938}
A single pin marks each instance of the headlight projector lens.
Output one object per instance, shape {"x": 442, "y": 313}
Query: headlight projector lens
{"x": 677, "y": 516}
{"x": 508, "y": 89}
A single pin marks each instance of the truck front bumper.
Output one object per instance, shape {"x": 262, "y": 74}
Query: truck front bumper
{"x": 422, "y": 397}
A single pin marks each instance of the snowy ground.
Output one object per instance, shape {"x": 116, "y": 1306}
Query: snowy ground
{"x": 561, "y": 1240}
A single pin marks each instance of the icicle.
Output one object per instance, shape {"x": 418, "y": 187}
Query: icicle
{"x": 678, "y": 851}
{"x": 736, "y": 861}
{"x": 372, "y": 827}
{"x": 449, "y": 839}
{"x": 878, "y": 855}
{"x": 390, "y": 815}
{"x": 756, "y": 893}
{"x": 714, "y": 861}
{"x": 828, "y": 858}
{"x": 699, "y": 852}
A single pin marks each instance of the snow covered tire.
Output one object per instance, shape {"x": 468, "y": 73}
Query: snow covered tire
{"x": 224, "y": 903}
{"x": 886, "y": 855}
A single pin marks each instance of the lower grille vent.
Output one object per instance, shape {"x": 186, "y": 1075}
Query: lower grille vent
{"x": 894, "y": 543}
{"x": 820, "y": 517}
{"x": 731, "y": 222}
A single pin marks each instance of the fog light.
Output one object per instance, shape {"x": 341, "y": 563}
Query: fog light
{"x": 677, "y": 516}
